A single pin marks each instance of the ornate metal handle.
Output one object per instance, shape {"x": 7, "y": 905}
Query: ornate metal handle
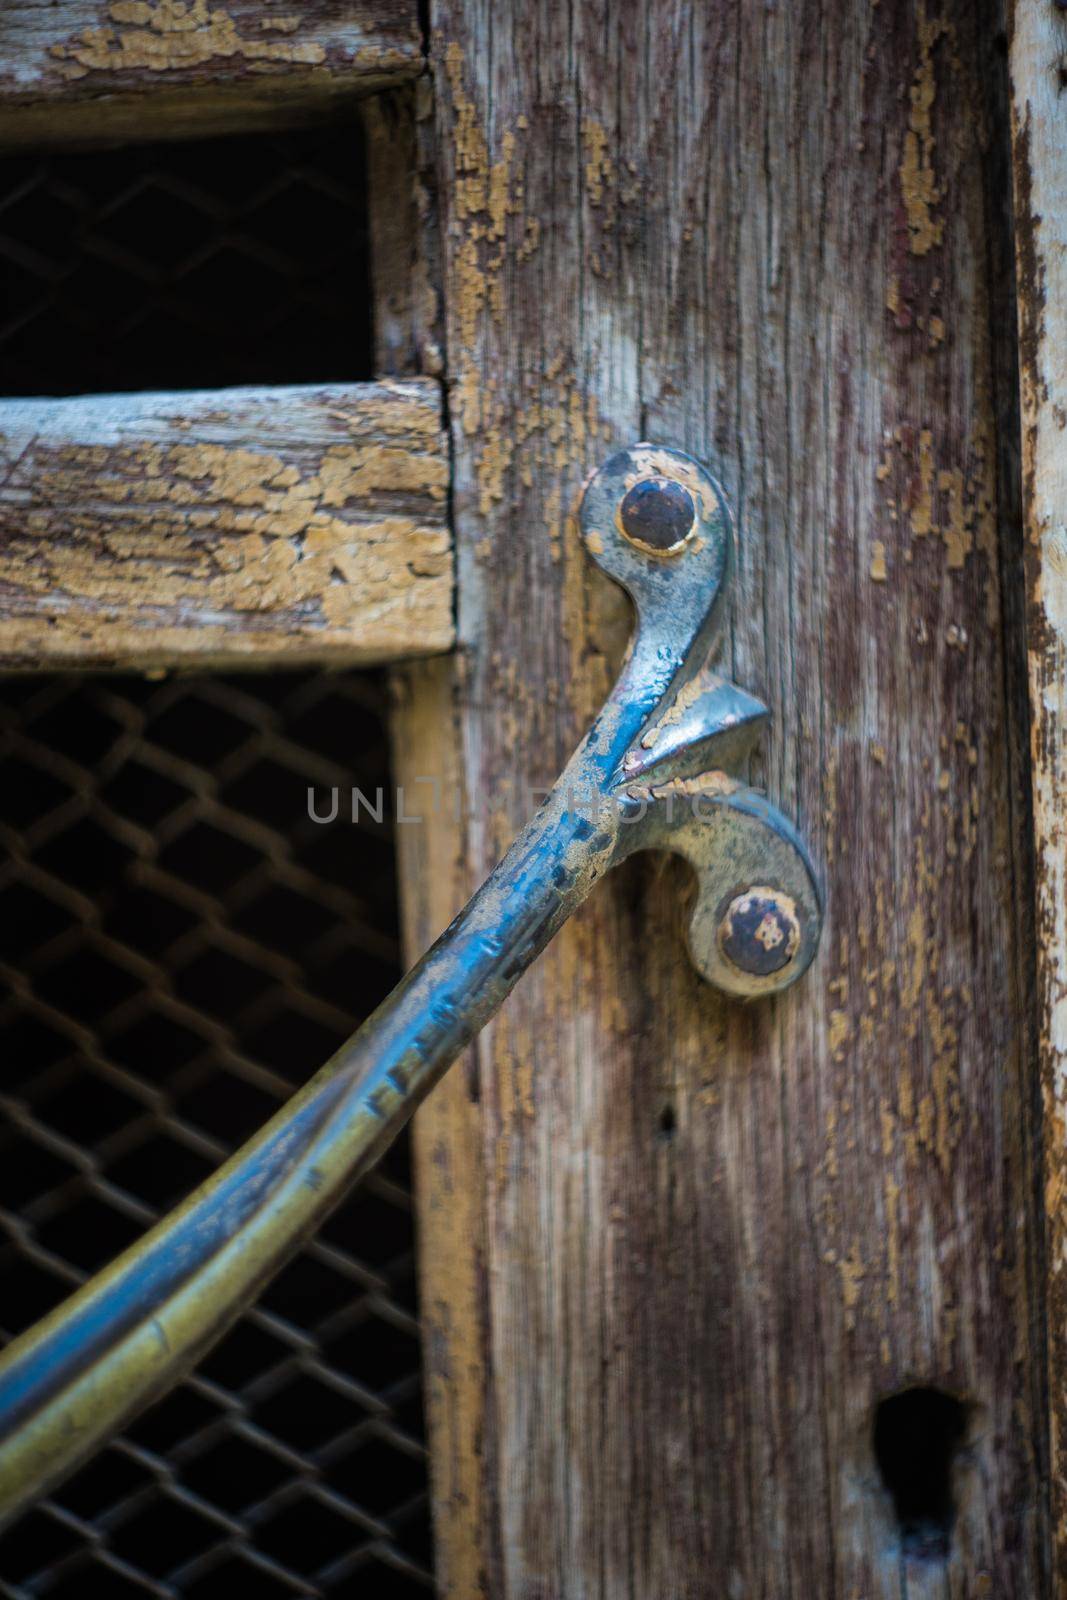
{"x": 650, "y": 773}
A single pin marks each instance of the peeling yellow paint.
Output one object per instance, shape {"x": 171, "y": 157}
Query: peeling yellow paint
{"x": 829, "y": 789}
{"x": 176, "y": 35}
{"x": 852, "y": 1273}
{"x": 200, "y": 537}
{"x": 918, "y": 181}
{"x": 531, "y": 238}
{"x": 956, "y": 532}
{"x": 967, "y": 503}
{"x": 891, "y": 1191}
{"x": 840, "y": 1030}
{"x": 922, "y": 512}
{"x": 599, "y": 171}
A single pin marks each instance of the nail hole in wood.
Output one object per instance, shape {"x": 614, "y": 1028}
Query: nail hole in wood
{"x": 668, "y": 1122}
{"x": 917, "y": 1435}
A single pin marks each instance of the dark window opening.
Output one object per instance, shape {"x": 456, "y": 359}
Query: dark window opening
{"x": 200, "y": 264}
{"x": 917, "y": 1435}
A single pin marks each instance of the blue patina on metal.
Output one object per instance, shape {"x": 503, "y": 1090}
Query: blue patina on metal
{"x": 654, "y": 772}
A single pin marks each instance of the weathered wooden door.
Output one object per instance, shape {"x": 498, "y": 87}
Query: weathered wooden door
{"x": 716, "y": 1299}
{"x": 700, "y": 1245}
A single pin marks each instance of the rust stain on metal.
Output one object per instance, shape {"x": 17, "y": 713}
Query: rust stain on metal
{"x": 760, "y": 931}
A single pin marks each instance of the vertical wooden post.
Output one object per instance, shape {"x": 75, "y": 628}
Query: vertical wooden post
{"x": 436, "y": 873}
{"x": 1039, "y": 147}
{"x": 675, "y": 1251}
{"x": 435, "y": 877}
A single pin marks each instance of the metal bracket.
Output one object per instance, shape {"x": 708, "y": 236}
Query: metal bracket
{"x": 657, "y": 522}
{"x": 649, "y": 774}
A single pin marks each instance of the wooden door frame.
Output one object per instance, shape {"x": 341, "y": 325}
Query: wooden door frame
{"x": 674, "y": 1252}
{"x": 1038, "y": 62}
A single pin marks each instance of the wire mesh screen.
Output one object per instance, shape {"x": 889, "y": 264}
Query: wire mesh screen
{"x": 192, "y": 265}
{"x": 181, "y": 946}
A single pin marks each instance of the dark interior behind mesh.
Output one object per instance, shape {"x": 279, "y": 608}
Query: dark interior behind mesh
{"x": 179, "y": 266}
{"x": 180, "y": 946}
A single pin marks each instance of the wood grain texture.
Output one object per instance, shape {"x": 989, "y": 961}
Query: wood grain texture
{"x": 705, "y": 1240}
{"x": 236, "y": 527}
{"x": 1039, "y": 137}
{"x": 433, "y": 862}
{"x": 398, "y": 133}
{"x": 160, "y": 69}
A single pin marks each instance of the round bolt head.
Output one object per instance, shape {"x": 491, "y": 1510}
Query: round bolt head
{"x": 658, "y": 515}
{"x": 760, "y": 931}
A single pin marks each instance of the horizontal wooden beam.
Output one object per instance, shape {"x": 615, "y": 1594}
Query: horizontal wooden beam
{"x": 225, "y": 528}
{"x": 162, "y": 69}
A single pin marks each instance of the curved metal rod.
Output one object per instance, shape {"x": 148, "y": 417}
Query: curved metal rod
{"x": 649, "y": 773}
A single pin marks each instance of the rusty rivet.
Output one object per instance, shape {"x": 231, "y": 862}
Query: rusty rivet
{"x": 760, "y": 931}
{"x": 658, "y": 514}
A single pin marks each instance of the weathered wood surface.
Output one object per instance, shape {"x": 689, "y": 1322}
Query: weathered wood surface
{"x": 398, "y": 132}
{"x": 1039, "y": 137}
{"x": 676, "y": 1250}
{"x": 434, "y": 874}
{"x": 158, "y": 69}
{"x": 229, "y": 528}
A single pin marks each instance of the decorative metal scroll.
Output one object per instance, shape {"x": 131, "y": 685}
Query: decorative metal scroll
{"x": 651, "y": 773}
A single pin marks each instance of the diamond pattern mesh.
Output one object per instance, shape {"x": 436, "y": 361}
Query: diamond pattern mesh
{"x": 180, "y": 946}
{"x": 193, "y": 265}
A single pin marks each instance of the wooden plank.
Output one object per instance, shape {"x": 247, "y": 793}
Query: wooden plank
{"x": 398, "y": 131}
{"x": 226, "y": 528}
{"x": 1039, "y": 143}
{"x": 433, "y": 863}
{"x": 164, "y": 69}
{"x": 704, "y": 1240}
